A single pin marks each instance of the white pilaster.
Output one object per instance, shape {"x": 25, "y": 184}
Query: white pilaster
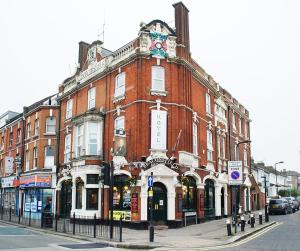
{"x": 218, "y": 197}
{"x": 225, "y": 201}
{"x": 171, "y": 206}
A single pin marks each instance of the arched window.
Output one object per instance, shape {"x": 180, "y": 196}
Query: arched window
{"x": 121, "y": 193}
{"x": 189, "y": 194}
{"x": 79, "y": 188}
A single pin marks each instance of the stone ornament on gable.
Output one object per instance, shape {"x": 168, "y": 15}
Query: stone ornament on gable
{"x": 158, "y": 38}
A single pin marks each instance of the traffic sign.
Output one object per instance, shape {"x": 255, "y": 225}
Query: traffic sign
{"x": 150, "y": 181}
{"x": 235, "y": 171}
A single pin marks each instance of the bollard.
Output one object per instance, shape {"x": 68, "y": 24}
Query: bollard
{"x": 29, "y": 223}
{"x": 243, "y": 223}
{"x": 42, "y": 220}
{"x": 10, "y": 214}
{"x": 74, "y": 223}
{"x": 121, "y": 219}
{"x": 252, "y": 220}
{"x": 2, "y": 212}
{"x": 260, "y": 218}
{"x": 56, "y": 219}
{"x": 95, "y": 226}
{"x": 228, "y": 224}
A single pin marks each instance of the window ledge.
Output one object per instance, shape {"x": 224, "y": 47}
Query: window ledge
{"x": 68, "y": 119}
{"x": 118, "y": 98}
{"x": 158, "y": 93}
{"x": 209, "y": 115}
{"x": 211, "y": 161}
{"x": 49, "y": 134}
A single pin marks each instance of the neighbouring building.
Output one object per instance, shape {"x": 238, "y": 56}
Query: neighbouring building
{"x": 292, "y": 179}
{"x": 149, "y": 108}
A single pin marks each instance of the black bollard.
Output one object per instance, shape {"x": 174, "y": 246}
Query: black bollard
{"x": 260, "y": 218}
{"x": 121, "y": 219}
{"x": 19, "y": 216}
{"x": 74, "y": 223}
{"x": 56, "y": 219}
{"x": 243, "y": 223}
{"x": 228, "y": 224}
{"x": 95, "y": 225}
{"x": 252, "y": 220}
{"x": 10, "y": 214}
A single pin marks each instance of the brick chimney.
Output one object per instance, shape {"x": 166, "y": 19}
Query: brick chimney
{"x": 82, "y": 56}
{"x": 182, "y": 30}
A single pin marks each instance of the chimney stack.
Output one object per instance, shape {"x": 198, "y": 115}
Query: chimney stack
{"x": 82, "y": 56}
{"x": 182, "y": 29}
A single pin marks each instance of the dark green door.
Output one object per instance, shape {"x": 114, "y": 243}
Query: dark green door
{"x": 66, "y": 199}
{"x": 159, "y": 203}
{"x": 209, "y": 201}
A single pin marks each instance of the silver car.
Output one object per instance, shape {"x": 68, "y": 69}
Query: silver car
{"x": 293, "y": 202}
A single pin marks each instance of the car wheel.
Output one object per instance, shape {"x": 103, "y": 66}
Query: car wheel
{"x": 285, "y": 211}
{"x": 294, "y": 210}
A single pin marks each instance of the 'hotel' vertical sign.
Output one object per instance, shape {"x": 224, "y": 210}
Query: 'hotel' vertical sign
{"x": 158, "y": 129}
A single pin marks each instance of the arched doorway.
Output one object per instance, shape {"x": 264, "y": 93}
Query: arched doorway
{"x": 209, "y": 199}
{"x": 66, "y": 198}
{"x": 160, "y": 209}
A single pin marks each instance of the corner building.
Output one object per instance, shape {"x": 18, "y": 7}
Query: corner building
{"x": 149, "y": 108}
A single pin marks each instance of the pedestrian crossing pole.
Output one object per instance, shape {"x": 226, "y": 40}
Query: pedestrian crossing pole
{"x": 151, "y": 227}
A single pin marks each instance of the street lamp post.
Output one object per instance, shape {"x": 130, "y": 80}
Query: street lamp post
{"x": 236, "y": 188}
{"x": 266, "y": 207}
{"x": 280, "y": 162}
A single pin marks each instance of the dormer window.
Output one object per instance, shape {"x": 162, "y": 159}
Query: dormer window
{"x": 120, "y": 85}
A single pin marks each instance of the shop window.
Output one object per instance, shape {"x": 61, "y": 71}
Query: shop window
{"x": 79, "y": 188}
{"x": 49, "y": 156}
{"x": 92, "y": 198}
{"x": 189, "y": 193}
{"x": 120, "y": 85}
{"x": 50, "y": 125}
{"x": 121, "y": 193}
{"x": 92, "y": 179}
{"x": 158, "y": 78}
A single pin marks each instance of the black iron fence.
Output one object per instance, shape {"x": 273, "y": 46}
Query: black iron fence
{"x": 76, "y": 225}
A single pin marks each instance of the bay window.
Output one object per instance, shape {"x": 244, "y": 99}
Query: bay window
{"x": 92, "y": 198}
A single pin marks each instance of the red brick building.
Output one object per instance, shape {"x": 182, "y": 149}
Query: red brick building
{"x": 150, "y": 108}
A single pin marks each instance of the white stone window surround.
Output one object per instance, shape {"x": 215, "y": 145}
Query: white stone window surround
{"x": 207, "y": 103}
{"x": 50, "y": 125}
{"x": 209, "y": 145}
{"x": 83, "y": 136}
{"x": 91, "y": 98}
{"x": 158, "y": 81}
{"x": 195, "y": 139}
{"x": 120, "y": 85}
{"x": 67, "y": 150}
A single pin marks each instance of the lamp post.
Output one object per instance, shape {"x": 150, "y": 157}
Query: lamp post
{"x": 280, "y": 162}
{"x": 236, "y": 188}
{"x": 266, "y": 207}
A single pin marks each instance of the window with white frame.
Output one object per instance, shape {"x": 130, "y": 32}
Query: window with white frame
{"x": 79, "y": 150}
{"x": 11, "y": 138}
{"x": 50, "y": 125}
{"x": 246, "y": 131}
{"x": 195, "y": 139}
{"x": 120, "y": 125}
{"x": 28, "y": 130}
{"x": 27, "y": 160}
{"x": 240, "y": 125}
{"x": 49, "y": 156}
{"x": 35, "y": 157}
{"x": 233, "y": 121}
{"x": 69, "y": 108}
{"x": 207, "y": 100}
{"x": 67, "y": 154}
{"x": 93, "y": 138}
{"x": 219, "y": 145}
{"x": 158, "y": 78}
{"x": 120, "y": 85}
{"x": 91, "y": 98}
{"x": 223, "y": 147}
{"x": 18, "y": 136}
{"x": 209, "y": 145}
{"x": 36, "y": 127}
{"x": 245, "y": 158}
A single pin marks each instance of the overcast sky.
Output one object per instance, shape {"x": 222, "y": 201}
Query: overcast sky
{"x": 251, "y": 48}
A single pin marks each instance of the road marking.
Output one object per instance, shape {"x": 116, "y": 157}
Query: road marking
{"x": 247, "y": 239}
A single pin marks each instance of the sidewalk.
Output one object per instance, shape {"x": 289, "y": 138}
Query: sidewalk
{"x": 208, "y": 234}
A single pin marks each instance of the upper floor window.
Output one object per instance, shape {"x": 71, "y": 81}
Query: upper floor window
{"x": 27, "y": 160}
{"x": 195, "y": 139}
{"x": 18, "y": 136}
{"x": 50, "y": 125}
{"x": 35, "y": 156}
{"x": 240, "y": 125}
{"x": 49, "y": 156}
{"x": 11, "y": 136}
{"x": 158, "y": 78}
{"x": 223, "y": 147}
{"x": 79, "y": 150}
{"x": 67, "y": 155}
{"x": 219, "y": 145}
{"x": 120, "y": 85}
{"x": 120, "y": 125}
{"x": 207, "y": 100}
{"x": 245, "y": 158}
{"x": 233, "y": 121}
{"x": 28, "y": 130}
{"x": 69, "y": 108}
{"x": 209, "y": 145}
{"x": 2, "y": 142}
{"x": 91, "y": 98}
{"x": 36, "y": 127}
{"x": 93, "y": 138}
{"x": 246, "y": 131}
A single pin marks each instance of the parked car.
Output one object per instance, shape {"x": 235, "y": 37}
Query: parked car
{"x": 293, "y": 202}
{"x": 279, "y": 206}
